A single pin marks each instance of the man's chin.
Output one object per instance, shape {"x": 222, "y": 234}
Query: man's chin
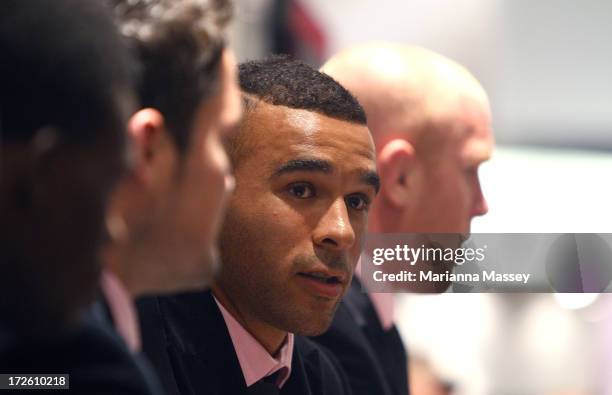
{"x": 319, "y": 322}
{"x": 315, "y": 329}
{"x": 312, "y": 319}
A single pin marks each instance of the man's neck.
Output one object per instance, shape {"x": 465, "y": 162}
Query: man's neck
{"x": 269, "y": 337}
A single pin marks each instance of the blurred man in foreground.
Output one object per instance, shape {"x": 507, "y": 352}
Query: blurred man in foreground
{"x": 430, "y": 120}
{"x": 166, "y": 211}
{"x": 65, "y": 93}
{"x": 168, "y": 208}
{"x": 305, "y": 178}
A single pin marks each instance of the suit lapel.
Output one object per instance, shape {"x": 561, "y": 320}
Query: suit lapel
{"x": 201, "y": 349}
{"x": 361, "y": 307}
{"x": 100, "y": 314}
{"x": 387, "y": 345}
{"x": 398, "y": 372}
{"x": 298, "y": 382}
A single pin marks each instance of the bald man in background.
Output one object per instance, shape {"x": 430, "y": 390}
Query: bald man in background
{"x": 430, "y": 120}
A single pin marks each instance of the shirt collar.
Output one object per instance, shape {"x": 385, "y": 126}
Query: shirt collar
{"x": 122, "y": 310}
{"x": 255, "y": 361}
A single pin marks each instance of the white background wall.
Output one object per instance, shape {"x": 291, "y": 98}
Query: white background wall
{"x": 546, "y": 64}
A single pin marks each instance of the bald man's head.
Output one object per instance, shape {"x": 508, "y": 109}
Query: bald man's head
{"x": 430, "y": 119}
{"x": 402, "y": 87}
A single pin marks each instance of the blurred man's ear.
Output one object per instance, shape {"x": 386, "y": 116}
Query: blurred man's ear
{"x": 147, "y": 132}
{"x": 395, "y": 164}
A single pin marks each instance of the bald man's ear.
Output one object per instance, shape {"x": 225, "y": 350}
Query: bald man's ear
{"x": 395, "y": 163}
{"x": 147, "y": 132}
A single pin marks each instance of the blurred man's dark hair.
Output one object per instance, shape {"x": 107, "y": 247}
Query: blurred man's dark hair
{"x": 65, "y": 85}
{"x": 179, "y": 45}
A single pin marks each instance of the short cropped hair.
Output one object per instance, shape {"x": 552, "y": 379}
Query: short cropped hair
{"x": 280, "y": 80}
{"x": 179, "y": 46}
{"x": 50, "y": 74}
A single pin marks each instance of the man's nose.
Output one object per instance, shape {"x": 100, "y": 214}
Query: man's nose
{"x": 334, "y": 230}
{"x": 479, "y": 204}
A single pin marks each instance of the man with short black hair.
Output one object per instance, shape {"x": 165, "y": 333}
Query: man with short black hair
{"x": 305, "y": 178}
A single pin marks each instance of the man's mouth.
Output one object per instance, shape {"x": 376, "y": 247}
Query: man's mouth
{"x": 325, "y": 278}
{"x": 323, "y": 283}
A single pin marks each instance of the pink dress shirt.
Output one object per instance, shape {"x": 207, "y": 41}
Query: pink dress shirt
{"x": 122, "y": 310}
{"x": 255, "y": 361}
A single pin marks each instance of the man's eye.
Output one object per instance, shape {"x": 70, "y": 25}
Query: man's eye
{"x": 357, "y": 202}
{"x": 301, "y": 191}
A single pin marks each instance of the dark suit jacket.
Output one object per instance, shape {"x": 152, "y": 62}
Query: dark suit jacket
{"x": 374, "y": 359}
{"x": 96, "y": 362}
{"x": 142, "y": 370}
{"x": 186, "y": 339}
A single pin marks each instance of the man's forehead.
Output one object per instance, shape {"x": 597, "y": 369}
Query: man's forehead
{"x": 479, "y": 140}
{"x": 469, "y": 139}
{"x": 477, "y": 150}
{"x": 299, "y": 130}
{"x": 307, "y": 121}
{"x": 477, "y": 144}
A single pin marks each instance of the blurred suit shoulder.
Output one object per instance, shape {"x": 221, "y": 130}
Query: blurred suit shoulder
{"x": 373, "y": 358}
{"x": 96, "y": 362}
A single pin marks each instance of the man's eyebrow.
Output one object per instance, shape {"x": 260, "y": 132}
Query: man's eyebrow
{"x": 295, "y": 165}
{"x": 371, "y": 178}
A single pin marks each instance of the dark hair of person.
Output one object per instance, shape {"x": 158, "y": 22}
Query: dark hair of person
{"x": 66, "y": 86}
{"x": 51, "y": 74}
{"x": 178, "y": 45}
{"x": 282, "y": 81}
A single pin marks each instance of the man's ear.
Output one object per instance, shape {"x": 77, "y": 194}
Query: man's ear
{"x": 147, "y": 131}
{"x": 395, "y": 163}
